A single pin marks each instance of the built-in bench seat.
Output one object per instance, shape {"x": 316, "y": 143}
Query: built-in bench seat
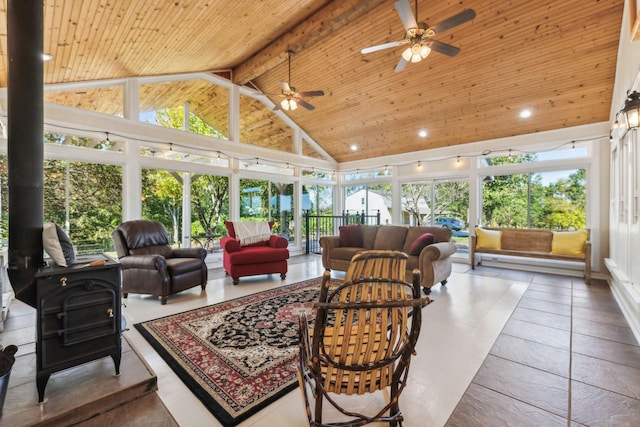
{"x": 572, "y": 246}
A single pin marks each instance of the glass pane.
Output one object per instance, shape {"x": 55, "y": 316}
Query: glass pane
{"x": 370, "y": 201}
{"x": 106, "y": 144}
{"x": 261, "y": 166}
{"x": 281, "y": 205}
{"x": 262, "y": 200}
{"x": 182, "y": 156}
{"x": 569, "y": 152}
{"x": 549, "y": 200}
{"x": 94, "y": 204}
{"x": 259, "y": 126}
{"x": 319, "y": 174}
{"x": 163, "y": 104}
{"x": 106, "y": 100}
{"x": 162, "y": 200}
{"x": 451, "y": 210}
{"x": 353, "y": 176}
{"x": 416, "y": 203}
{"x": 209, "y": 209}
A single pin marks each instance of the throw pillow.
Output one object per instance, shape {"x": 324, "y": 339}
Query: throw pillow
{"x": 569, "y": 242}
{"x": 421, "y": 242}
{"x": 350, "y": 236}
{"x": 488, "y": 239}
{"x": 57, "y": 244}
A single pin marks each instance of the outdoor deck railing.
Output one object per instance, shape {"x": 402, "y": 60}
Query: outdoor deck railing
{"x": 316, "y": 226}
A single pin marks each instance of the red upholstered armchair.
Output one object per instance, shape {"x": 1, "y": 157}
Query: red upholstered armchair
{"x": 268, "y": 255}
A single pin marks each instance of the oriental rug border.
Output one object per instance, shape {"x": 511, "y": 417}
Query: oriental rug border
{"x": 236, "y": 356}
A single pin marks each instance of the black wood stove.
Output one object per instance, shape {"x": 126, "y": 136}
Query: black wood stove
{"x": 79, "y": 316}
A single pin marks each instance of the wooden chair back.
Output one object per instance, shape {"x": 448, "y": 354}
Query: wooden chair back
{"x": 364, "y": 333}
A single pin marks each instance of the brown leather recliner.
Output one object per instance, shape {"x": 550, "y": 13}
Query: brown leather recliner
{"x": 151, "y": 266}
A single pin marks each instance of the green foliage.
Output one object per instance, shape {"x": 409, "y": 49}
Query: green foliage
{"x": 174, "y": 118}
{"x": 162, "y": 200}
{"x": 210, "y": 204}
{"x": 94, "y": 200}
{"x": 523, "y": 201}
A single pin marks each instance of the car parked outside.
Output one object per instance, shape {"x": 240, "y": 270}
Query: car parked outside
{"x": 450, "y": 223}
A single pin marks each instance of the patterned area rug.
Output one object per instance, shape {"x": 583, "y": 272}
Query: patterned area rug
{"x": 240, "y": 355}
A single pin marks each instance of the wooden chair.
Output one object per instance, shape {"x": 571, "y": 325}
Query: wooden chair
{"x": 363, "y": 339}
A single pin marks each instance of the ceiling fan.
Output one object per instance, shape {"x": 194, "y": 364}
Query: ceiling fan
{"x": 419, "y": 36}
{"x": 293, "y": 98}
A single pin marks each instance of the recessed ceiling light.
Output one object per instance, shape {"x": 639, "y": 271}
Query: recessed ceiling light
{"x": 47, "y": 57}
{"x": 422, "y": 133}
{"x": 525, "y": 114}
{"x": 354, "y": 147}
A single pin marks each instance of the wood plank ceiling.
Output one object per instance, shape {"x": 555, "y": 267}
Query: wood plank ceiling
{"x": 556, "y": 57}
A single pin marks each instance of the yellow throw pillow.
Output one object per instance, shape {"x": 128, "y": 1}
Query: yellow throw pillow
{"x": 569, "y": 242}
{"x": 488, "y": 239}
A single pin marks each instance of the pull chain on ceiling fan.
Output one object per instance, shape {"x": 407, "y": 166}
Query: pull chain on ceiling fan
{"x": 420, "y": 37}
{"x": 293, "y": 98}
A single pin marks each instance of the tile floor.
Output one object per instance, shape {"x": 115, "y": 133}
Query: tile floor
{"x": 497, "y": 347}
{"x": 566, "y": 357}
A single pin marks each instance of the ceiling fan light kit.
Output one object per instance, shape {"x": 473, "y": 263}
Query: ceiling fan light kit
{"x": 289, "y": 104}
{"x": 293, "y": 98}
{"x": 420, "y": 36}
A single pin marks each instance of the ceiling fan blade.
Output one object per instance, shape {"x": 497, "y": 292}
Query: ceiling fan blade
{"x": 383, "y": 46}
{"x": 312, "y": 93}
{"x": 305, "y": 104}
{"x": 406, "y": 14}
{"x": 444, "y": 48}
{"x": 285, "y": 86}
{"x": 460, "y": 18}
{"x": 401, "y": 64}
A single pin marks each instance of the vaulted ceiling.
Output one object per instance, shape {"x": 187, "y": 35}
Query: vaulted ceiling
{"x": 556, "y": 57}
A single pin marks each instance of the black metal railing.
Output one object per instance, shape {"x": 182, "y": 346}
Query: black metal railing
{"x": 316, "y": 226}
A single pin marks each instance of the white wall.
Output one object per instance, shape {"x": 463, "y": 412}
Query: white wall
{"x": 624, "y": 225}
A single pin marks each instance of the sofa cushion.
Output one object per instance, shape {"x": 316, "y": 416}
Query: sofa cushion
{"x": 350, "y": 236}
{"x": 488, "y": 239}
{"x": 369, "y": 235}
{"x": 390, "y": 237}
{"x": 258, "y": 255}
{"x": 569, "y": 243}
{"x": 420, "y": 243}
{"x": 345, "y": 253}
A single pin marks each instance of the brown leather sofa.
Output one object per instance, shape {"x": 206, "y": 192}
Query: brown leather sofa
{"x": 433, "y": 260}
{"x": 151, "y": 266}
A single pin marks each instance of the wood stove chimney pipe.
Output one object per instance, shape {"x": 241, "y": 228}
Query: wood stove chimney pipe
{"x": 25, "y": 92}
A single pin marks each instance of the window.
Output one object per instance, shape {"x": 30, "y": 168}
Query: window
{"x": 549, "y": 200}
{"x": 164, "y": 104}
{"x": 106, "y": 144}
{"x": 105, "y": 99}
{"x": 369, "y": 200}
{"x": 262, "y": 200}
{"x": 162, "y": 200}
{"x": 209, "y": 204}
{"x": 261, "y": 127}
{"x": 85, "y": 199}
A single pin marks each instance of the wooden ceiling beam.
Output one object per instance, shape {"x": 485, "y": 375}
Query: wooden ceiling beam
{"x": 327, "y": 20}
